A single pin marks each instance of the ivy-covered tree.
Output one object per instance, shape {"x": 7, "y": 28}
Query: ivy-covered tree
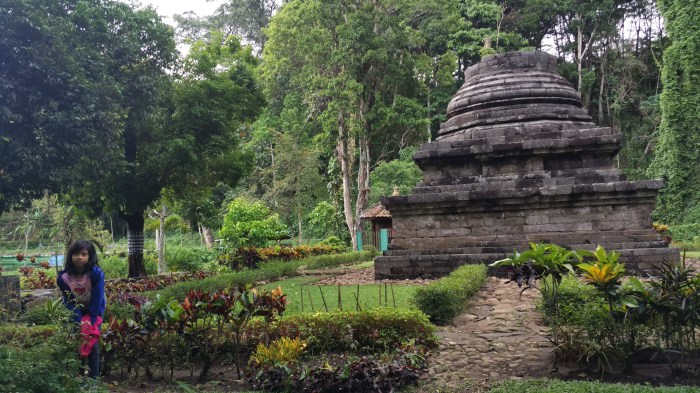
{"x": 677, "y": 153}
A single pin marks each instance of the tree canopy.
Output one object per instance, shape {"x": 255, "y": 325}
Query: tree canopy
{"x": 59, "y": 100}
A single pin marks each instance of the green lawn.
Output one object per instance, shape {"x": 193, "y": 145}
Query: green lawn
{"x": 368, "y": 295}
{"x": 557, "y": 386}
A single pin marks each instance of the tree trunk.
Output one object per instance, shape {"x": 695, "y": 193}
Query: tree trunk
{"x": 160, "y": 238}
{"x": 208, "y": 236}
{"x": 134, "y": 236}
{"x": 301, "y": 240}
{"x": 362, "y": 177}
{"x": 343, "y": 152}
{"x": 579, "y": 52}
{"x": 161, "y": 242}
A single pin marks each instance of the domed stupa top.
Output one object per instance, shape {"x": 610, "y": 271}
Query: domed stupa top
{"x": 513, "y": 87}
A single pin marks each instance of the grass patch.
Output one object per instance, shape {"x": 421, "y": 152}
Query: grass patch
{"x": 368, "y": 296}
{"x": 557, "y": 386}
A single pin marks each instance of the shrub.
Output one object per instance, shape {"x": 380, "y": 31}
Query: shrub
{"x": 36, "y": 316}
{"x": 37, "y": 277}
{"x": 241, "y": 258}
{"x": 250, "y": 257}
{"x": 20, "y": 336}
{"x": 444, "y": 299}
{"x": 281, "y": 351}
{"x": 334, "y": 241}
{"x": 115, "y": 266}
{"x": 688, "y": 233}
{"x": 250, "y": 224}
{"x": 187, "y": 259}
{"x": 42, "y": 363}
{"x": 376, "y": 330}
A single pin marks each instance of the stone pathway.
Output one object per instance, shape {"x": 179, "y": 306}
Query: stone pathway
{"x": 500, "y": 336}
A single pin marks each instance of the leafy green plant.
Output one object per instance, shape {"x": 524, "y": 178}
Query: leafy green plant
{"x": 282, "y": 351}
{"x": 675, "y": 296}
{"x": 45, "y": 352}
{"x": 444, "y": 299}
{"x": 188, "y": 259}
{"x": 250, "y": 224}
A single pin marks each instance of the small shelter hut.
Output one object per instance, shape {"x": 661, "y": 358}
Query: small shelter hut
{"x": 379, "y": 218}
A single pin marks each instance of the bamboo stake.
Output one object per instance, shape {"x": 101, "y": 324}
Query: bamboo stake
{"x": 340, "y": 299}
{"x": 386, "y": 296}
{"x": 323, "y": 298}
{"x": 393, "y": 297}
{"x": 380, "y": 294}
{"x": 357, "y": 301}
{"x": 308, "y": 290}
{"x": 301, "y": 289}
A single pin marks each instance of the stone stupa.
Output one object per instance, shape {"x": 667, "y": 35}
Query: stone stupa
{"x": 519, "y": 160}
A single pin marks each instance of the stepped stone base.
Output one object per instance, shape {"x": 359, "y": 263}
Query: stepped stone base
{"x": 519, "y": 160}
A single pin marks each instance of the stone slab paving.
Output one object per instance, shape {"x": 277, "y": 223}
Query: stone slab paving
{"x": 500, "y": 336}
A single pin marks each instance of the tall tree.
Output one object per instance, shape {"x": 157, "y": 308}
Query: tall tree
{"x": 299, "y": 184}
{"x": 59, "y": 105}
{"x": 352, "y": 63}
{"x": 483, "y": 32}
{"x": 215, "y": 100}
{"x": 677, "y": 153}
{"x": 243, "y": 18}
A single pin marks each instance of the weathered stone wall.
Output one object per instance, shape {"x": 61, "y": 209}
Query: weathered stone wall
{"x": 10, "y": 293}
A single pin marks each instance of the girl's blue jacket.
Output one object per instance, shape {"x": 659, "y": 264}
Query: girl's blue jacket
{"x": 98, "y": 302}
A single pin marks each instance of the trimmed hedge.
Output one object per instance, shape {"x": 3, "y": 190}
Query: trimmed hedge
{"x": 444, "y": 299}
{"x": 334, "y": 260}
{"x": 375, "y": 330}
{"x": 266, "y": 271}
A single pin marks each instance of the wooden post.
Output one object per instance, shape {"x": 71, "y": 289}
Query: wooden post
{"x": 380, "y": 294}
{"x": 393, "y": 297}
{"x": 357, "y": 298}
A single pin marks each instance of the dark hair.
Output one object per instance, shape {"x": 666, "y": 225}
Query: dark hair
{"x": 76, "y": 248}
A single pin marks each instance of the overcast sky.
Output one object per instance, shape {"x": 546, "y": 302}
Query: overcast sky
{"x": 167, "y": 8}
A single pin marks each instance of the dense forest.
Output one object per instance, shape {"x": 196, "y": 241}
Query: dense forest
{"x": 313, "y": 108}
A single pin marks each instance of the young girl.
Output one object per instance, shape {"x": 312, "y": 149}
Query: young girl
{"x": 82, "y": 286}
